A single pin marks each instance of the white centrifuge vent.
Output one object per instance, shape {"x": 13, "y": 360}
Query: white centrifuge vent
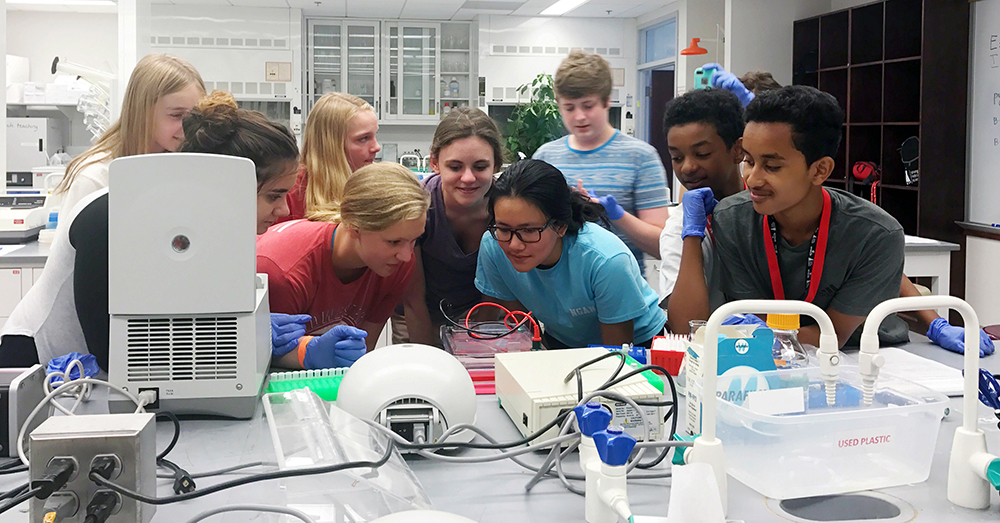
{"x": 201, "y": 348}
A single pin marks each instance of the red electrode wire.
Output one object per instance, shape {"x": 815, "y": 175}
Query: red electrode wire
{"x": 510, "y": 316}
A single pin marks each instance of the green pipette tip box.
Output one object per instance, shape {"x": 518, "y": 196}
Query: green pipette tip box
{"x": 324, "y": 382}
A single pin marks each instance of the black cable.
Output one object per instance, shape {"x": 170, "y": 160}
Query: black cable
{"x": 14, "y": 492}
{"x": 490, "y": 446}
{"x": 21, "y": 498}
{"x": 481, "y": 335}
{"x": 590, "y": 362}
{"x": 264, "y": 476}
{"x": 14, "y": 470}
{"x": 579, "y": 384}
{"x": 177, "y": 433}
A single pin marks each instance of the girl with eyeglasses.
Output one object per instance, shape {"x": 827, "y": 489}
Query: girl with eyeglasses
{"x": 544, "y": 252}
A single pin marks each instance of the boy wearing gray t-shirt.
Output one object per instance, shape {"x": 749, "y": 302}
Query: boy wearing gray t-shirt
{"x": 788, "y": 237}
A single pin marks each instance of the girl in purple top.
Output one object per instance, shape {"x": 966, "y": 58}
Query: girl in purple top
{"x": 467, "y": 150}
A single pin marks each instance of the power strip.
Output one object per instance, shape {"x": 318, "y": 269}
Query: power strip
{"x": 531, "y": 390}
{"x": 129, "y": 438}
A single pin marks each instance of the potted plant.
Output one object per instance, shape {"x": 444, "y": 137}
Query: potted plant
{"x": 537, "y": 121}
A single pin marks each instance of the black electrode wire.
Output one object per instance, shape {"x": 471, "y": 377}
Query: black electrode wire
{"x": 14, "y": 491}
{"x": 264, "y": 476}
{"x": 490, "y": 446}
{"x": 481, "y": 335}
{"x": 20, "y": 498}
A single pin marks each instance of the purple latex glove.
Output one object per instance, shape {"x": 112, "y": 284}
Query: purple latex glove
{"x": 610, "y": 204}
{"x": 950, "y": 337}
{"x": 723, "y": 79}
{"x": 744, "y": 319}
{"x": 698, "y": 206}
{"x": 340, "y": 346}
{"x": 286, "y": 329}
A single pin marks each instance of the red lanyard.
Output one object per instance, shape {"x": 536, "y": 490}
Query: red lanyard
{"x": 817, "y": 253}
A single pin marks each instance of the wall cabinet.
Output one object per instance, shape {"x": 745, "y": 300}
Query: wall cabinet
{"x": 410, "y": 72}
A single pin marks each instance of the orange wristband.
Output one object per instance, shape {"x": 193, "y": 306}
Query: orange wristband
{"x": 303, "y": 342}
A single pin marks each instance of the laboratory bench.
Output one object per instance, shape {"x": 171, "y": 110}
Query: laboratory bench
{"x": 494, "y": 492}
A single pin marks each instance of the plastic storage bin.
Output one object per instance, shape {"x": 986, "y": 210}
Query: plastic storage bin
{"x": 832, "y": 450}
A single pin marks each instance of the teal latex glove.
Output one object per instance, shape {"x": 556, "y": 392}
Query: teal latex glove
{"x": 723, "y": 79}
{"x": 286, "y": 329}
{"x": 340, "y": 346}
{"x": 698, "y": 206}
{"x": 950, "y": 337}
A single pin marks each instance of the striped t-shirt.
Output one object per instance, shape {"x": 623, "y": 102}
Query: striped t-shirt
{"x": 627, "y": 168}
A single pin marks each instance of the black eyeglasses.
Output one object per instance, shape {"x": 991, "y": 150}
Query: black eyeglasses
{"x": 525, "y": 234}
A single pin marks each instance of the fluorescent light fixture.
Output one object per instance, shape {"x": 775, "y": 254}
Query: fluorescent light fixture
{"x": 67, "y": 3}
{"x": 562, "y": 7}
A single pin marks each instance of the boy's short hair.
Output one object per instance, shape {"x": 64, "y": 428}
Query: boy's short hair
{"x": 815, "y": 117}
{"x": 759, "y": 81}
{"x": 717, "y": 107}
{"x": 583, "y": 74}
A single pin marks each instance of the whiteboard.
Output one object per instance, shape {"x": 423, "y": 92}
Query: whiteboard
{"x": 984, "y": 114}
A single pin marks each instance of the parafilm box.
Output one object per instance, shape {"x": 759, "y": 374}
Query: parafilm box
{"x": 742, "y": 355}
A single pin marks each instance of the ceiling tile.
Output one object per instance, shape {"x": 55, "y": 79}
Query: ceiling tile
{"x": 260, "y": 3}
{"x": 325, "y": 7}
{"x": 431, "y": 9}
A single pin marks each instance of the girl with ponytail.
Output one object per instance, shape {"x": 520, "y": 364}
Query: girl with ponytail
{"x": 544, "y": 252}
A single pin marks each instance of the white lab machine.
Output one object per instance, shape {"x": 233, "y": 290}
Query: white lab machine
{"x": 417, "y": 391}
{"x": 30, "y": 143}
{"x": 532, "y": 391}
{"x": 22, "y": 216}
{"x": 189, "y": 315}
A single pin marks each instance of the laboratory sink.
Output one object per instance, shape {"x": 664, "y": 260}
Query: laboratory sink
{"x": 862, "y": 507}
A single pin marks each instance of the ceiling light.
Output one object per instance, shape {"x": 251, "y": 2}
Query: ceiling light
{"x": 67, "y": 3}
{"x": 562, "y": 7}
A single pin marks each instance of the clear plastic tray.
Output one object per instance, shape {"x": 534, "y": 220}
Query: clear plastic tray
{"x": 832, "y": 450}
{"x": 306, "y": 431}
{"x": 475, "y": 353}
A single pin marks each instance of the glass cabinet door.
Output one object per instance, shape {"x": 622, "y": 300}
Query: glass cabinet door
{"x": 413, "y": 67}
{"x": 325, "y": 71}
{"x": 362, "y": 53}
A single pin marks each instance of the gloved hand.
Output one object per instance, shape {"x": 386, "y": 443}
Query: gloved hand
{"x": 723, "y": 79}
{"x": 341, "y": 346}
{"x": 286, "y": 330}
{"x": 744, "y": 319}
{"x": 698, "y": 205}
{"x": 610, "y": 204}
{"x": 952, "y": 338}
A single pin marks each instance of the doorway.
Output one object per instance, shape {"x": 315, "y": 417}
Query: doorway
{"x": 661, "y": 91}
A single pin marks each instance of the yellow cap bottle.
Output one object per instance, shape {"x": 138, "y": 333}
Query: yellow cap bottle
{"x": 785, "y": 322}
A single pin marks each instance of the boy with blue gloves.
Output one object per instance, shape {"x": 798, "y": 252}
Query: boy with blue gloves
{"x": 340, "y": 346}
{"x": 702, "y": 129}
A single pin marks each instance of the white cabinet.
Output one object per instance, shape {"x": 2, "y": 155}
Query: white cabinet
{"x": 407, "y": 70}
{"x": 342, "y": 56}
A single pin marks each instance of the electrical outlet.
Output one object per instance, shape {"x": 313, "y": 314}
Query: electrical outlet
{"x": 129, "y": 438}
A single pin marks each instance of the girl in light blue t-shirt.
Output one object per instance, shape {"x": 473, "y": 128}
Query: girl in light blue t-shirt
{"x": 542, "y": 254}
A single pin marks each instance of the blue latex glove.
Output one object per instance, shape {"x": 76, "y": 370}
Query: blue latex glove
{"x": 60, "y": 364}
{"x": 744, "y": 319}
{"x": 341, "y": 346}
{"x": 286, "y": 329}
{"x": 947, "y": 336}
{"x": 698, "y": 205}
{"x": 723, "y": 79}
{"x": 611, "y": 206}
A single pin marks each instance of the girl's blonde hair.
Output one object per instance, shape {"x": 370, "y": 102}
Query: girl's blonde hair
{"x": 154, "y": 77}
{"x": 379, "y": 195}
{"x": 324, "y": 152}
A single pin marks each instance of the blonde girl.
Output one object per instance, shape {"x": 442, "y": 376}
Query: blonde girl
{"x": 339, "y": 139}
{"x": 162, "y": 89}
{"x": 350, "y": 272}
